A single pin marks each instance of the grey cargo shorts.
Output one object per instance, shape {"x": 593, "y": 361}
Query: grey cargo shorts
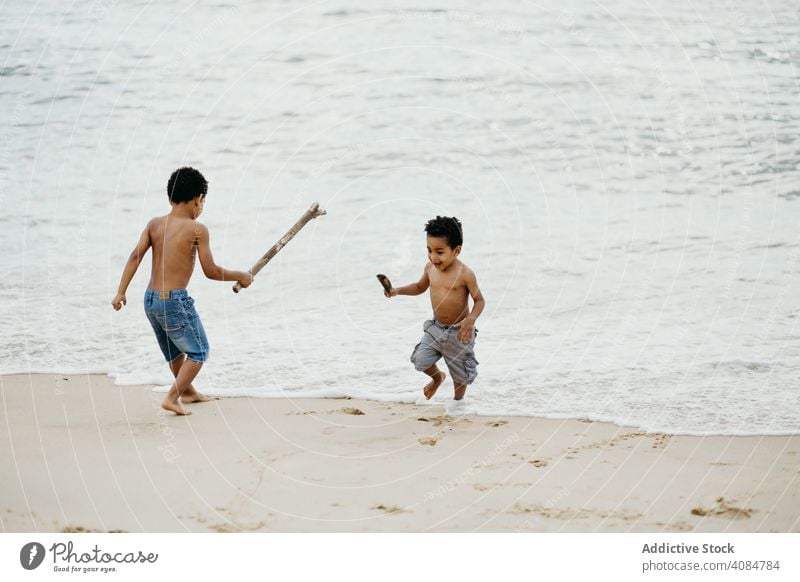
{"x": 441, "y": 341}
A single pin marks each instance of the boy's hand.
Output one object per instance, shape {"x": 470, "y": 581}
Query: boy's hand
{"x": 465, "y": 330}
{"x": 388, "y": 290}
{"x": 245, "y": 279}
{"x": 119, "y": 301}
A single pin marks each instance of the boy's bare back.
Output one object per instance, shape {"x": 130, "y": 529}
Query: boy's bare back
{"x": 175, "y": 240}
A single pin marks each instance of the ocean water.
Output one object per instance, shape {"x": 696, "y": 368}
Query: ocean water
{"x": 628, "y": 176}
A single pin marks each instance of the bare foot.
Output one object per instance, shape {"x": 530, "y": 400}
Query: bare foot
{"x": 432, "y": 386}
{"x": 459, "y": 391}
{"x": 174, "y": 407}
{"x": 190, "y": 396}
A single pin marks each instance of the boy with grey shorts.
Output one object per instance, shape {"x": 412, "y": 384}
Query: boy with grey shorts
{"x": 451, "y": 333}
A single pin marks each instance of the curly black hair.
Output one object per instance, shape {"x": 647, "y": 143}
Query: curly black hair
{"x": 186, "y": 184}
{"x": 448, "y": 227}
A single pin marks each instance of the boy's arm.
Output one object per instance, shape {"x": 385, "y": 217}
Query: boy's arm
{"x": 210, "y": 268}
{"x": 414, "y": 289}
{"x": 467, "y": 325}
{"x": 129, "y": 271}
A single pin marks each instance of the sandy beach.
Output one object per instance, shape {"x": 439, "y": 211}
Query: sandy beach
{"x": 81, "y": 454}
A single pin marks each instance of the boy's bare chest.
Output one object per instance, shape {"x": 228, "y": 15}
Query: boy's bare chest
{"x": 442, "y": 283}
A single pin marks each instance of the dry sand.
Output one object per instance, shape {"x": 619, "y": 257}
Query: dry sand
{"x": 80, "y": 454}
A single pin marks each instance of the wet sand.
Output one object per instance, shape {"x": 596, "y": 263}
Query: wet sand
{"x": 81, "y": 454}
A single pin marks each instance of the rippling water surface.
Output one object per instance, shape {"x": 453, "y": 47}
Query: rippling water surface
{"x": 627, "y": 176}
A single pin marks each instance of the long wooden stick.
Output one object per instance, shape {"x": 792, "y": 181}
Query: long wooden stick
{"x": 309, "y": 215}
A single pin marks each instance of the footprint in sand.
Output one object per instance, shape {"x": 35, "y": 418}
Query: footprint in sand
{"x": 353, "y": 411}
{"x": 722, "y": 509}
{"x": 444, "y": 419}
{"x": 388, "y": 508}
{"x": 81, "y": 529}
{"x": 436, "y": 420}
{"x": 605, "y": 443}
{"x": 676, "y": 526}
{"x": 232, "y": 527}
{"x": 496, "y": 423}
{"x": 428, "y": 441}
{"x": 538, "y": 462}
{"x": 660, "y": 440}
{"x": 569, "y": 513}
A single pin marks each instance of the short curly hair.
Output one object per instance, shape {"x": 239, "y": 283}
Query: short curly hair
{"x": 448, "y": 227}
{"x": 186, "y": 184}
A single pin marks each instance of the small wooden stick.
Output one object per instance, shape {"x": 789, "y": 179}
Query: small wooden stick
{"x": 309, "y": 215}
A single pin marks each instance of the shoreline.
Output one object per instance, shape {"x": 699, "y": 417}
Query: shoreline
{"x": 330, "y": 394}
{"x": 87, "y": 455}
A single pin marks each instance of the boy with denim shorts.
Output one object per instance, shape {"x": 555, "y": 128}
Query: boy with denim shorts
{"x": 451, "y": 333}
{"x": 176, "y": 239}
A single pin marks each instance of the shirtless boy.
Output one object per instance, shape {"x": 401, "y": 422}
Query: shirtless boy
{"x": 176, "y": 238}
{"x": 451, "y": 333}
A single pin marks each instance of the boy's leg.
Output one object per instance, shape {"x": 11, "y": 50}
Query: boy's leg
{"x": 437, "y": 377}
{"x": 424, "y": 357}
{"x": 190, "y": 338}
{"x": 460, "y": 360}
{"x": 191, "y": 394}
{"x": 188, "y": 372}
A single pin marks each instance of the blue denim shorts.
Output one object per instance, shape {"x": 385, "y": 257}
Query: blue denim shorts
{"x": 176, "y": 324}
